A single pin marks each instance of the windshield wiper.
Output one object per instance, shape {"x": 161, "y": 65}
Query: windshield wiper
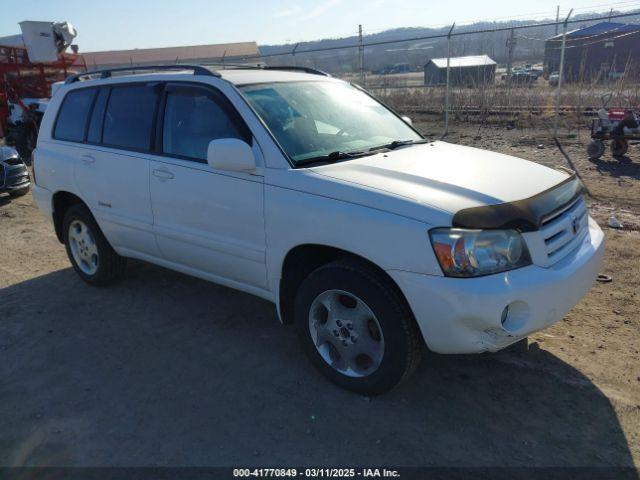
{"x": 339, "y": 155}
{"x": 332, "y": 157}
{"x": 398, "y": 143}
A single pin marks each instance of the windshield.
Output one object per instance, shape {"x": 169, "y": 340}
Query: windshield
{"x": 318, "y": 119}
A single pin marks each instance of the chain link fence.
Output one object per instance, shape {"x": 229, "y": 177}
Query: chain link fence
{"x": 554, "y": 74}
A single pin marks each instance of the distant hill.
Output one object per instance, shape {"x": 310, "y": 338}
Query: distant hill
{"x": 529, "y": 47}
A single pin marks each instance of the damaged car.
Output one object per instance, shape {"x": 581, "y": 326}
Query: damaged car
{"x": 305, "y": 190}
{"x": 14, "y": 174}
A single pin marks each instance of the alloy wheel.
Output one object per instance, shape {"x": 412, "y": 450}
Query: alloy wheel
{"x": 346, "y": 333}
{"x": 83, "y": 247}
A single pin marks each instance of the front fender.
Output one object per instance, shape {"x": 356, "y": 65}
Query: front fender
{"x": 390, "y": 241}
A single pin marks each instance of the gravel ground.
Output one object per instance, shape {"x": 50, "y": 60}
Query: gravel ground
{"x": 164, "y": 369}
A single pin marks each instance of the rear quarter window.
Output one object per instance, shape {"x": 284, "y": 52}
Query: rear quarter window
{"x": 73, "y": 115}
{"x": 129, "y": 117}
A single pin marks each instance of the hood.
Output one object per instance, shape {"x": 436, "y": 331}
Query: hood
{"x": 7, "y": 153}
{"x": 447, "y": 177}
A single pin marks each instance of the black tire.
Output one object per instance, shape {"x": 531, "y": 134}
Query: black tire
{"x": 110, "y": 265}
{"x": 619, "y": 146}
{"x": 402, "y": 340}
{"x": 595, "y": 149}
{"x": 521, "y": 346}
{"x": 19, "y": 193}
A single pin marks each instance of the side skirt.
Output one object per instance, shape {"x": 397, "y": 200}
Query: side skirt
{"x": 258, "y": 292}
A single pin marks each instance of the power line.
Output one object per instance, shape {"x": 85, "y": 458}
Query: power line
{"x": 630, "y": 4}
{"x": 435, "y": 36}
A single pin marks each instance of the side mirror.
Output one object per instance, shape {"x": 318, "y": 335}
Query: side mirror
{"x": 407, "y": 120}
{"x": 230, "y": 154}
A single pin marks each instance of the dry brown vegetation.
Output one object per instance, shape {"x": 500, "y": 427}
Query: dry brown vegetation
{"x": 531, "y": 105}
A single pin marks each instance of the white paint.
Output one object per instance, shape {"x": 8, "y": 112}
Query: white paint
{"x": 40, "y": 41}
{"x": 236, "y": 227}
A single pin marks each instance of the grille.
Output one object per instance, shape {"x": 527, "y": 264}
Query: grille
{"x": 13, "y": 162}
{"x": 563, "y": 230}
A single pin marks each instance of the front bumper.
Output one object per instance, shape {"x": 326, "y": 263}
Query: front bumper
{"x": 465, "y": 315}
{"x": 14, "y": 178}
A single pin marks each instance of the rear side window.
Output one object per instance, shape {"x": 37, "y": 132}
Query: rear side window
{"x": 73, "y": 116}
{"x": 192, "y": 118}
{"x": 128, "y": 119}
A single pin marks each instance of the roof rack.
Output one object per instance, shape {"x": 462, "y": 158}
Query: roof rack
{"x": 313, "y": 71}
{"x": 259, "y": 66}
{"x": 106, "y": 73}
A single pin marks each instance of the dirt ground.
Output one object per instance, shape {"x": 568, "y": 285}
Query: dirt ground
{"x": 164, "y": 369}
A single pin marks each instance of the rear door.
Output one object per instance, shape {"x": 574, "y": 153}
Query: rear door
{"x": 206, "y": 220}
{"x": 113, "y": 170}
{"x": 68, "y": 147}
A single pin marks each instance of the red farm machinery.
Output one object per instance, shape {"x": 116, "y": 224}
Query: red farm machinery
{"x": 30, "y": 65}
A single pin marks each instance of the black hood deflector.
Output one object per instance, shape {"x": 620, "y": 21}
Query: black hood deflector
{"x": 522, "y": 215}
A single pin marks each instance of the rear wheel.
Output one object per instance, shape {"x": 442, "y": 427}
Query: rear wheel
{"x": 619, "y": 146}
{"x": 88, "y": 250}
{"x": 356, "y": 327}
{"x": 595, "y": 149}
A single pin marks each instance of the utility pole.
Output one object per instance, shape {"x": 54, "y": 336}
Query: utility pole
{"x": 360, "y": 56}
{"x": 557, "y": 18}
{"x": 561, "y": 73}
{"x": 448, "y": 87}
{"x": 511, "y": 45}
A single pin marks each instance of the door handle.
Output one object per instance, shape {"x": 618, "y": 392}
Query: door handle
{"x": 88, "y": 159}
{"x": 163, "y": 174}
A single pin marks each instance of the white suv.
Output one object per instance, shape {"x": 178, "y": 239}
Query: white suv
{"x": 306, "y": 191}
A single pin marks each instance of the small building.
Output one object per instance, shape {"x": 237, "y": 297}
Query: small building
{"x": 600, "y": 52}
{"x": 216, "y": 53}
{"x": 471, "y": 70}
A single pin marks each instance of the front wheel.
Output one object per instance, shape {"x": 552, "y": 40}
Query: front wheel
{"x": 92, "y": 257}
{"x": 356, "y": 327}
{"x": 619, "y": 146}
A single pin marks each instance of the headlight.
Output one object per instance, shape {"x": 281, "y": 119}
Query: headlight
{"x": 472, "y": 253}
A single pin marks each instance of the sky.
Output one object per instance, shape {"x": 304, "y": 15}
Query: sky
{"x": 125, "y": 24}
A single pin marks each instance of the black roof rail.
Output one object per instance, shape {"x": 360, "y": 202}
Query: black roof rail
{"x": 260, "y": 66}
{"x": 313, "y": 71}
{"x": 106, "y": 73}
{"x": 231, "y": 66}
